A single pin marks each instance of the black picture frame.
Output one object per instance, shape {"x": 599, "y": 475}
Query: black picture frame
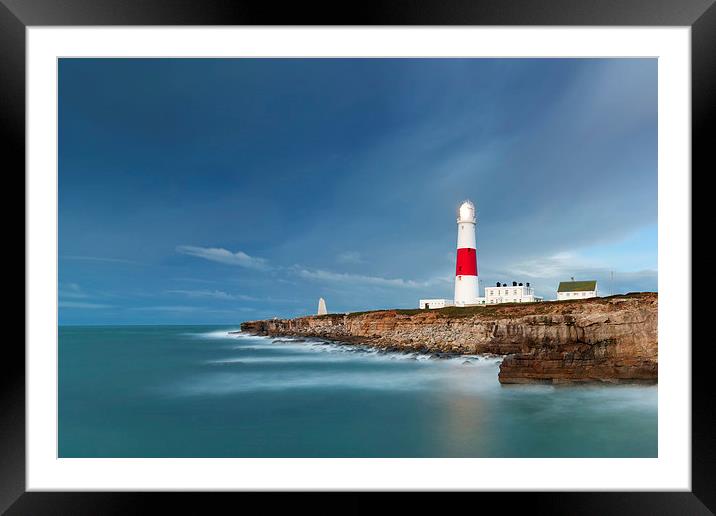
{"x": 17, "y": 15}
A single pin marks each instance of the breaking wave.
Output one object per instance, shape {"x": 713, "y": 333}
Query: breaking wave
{"x": 218, "y": 334}
{"x": 259, "y": 363}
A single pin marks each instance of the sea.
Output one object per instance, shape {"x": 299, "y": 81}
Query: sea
{"x": 201, "y": 391}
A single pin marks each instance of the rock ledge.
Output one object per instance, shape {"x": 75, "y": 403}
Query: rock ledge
{"x": 611, "y": 339}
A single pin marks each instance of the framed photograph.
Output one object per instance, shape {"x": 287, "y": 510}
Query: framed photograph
{"x": 435, "y": 247}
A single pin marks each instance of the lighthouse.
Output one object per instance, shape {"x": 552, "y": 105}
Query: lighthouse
{"x": 466, "y": 289}
{"x": 466, "y": 284}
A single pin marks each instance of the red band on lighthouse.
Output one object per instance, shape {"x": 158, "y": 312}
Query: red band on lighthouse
{"x": 466, "y": 264}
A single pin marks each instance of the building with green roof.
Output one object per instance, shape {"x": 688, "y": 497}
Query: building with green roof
{"x": 576, "y": 290}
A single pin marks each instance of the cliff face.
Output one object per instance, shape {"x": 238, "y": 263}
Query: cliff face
{"x": 605, "y": 339}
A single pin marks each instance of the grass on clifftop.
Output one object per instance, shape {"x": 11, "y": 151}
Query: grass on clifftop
{"x": 500, "y": 309}
{"x": 452, "y": 311}
{"x": 465, "y": 311}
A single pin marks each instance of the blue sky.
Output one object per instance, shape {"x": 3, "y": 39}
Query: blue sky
{"x": 221, "y": 190}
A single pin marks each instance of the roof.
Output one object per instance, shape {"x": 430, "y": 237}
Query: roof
{"x": 577, "y": 286}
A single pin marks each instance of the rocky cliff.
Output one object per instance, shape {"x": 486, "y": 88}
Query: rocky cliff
{"x": 610, "y": 339}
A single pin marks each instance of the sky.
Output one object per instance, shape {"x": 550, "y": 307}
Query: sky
{"x": 216, "y": 191}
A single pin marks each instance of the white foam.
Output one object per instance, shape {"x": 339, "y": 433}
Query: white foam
{"x": 215, "y": 334}
{"x": 286, "y": 359}
{"x": 424, "y": 379}
{"x": 227, "y": 334}
{"x": 298, "y": 345}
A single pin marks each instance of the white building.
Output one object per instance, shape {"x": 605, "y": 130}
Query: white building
{"x": 435, "y": 303}
{"x": 568, "y": 290}
{"x": 515, "y": 293}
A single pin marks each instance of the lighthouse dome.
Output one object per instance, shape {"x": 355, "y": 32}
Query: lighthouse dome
{"x": 467, "y": 211}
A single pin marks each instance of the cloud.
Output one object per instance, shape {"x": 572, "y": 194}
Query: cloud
{"x": 170, "y": 308}
{"x": 361, "y": 279}
{"x": 214, "y": 294}
{"x": 546, "y": 273}
{"x": 98, "y": 259}
{"x": 195, "y": 280}
{"x": 78, "y": 304}
{"x": 71, "y": 290}
{"x": 220, "y": 255}
{"x": 563, "y": 264}
{"x": 221, "y": 295}
{"x": 350, "y": 257}
{"x": 191, "y": 309}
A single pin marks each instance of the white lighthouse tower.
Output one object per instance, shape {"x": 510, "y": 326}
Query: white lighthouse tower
{"x": 466, "y": 286}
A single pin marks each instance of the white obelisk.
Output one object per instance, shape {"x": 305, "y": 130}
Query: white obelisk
{"x": 322, "y": 306}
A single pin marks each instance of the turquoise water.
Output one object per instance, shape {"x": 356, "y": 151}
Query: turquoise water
{"x": 196, "y": 391}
